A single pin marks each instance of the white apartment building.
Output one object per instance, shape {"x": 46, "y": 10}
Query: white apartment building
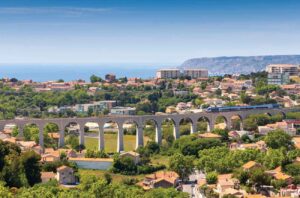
{"x": 278, "y": 78}
{"x": 292, "y": 70}
{"x": 96, "y": 106}
{"x": 196, "y": 73}
{"x": 168, "y": 73}
{"x": 123, "y": 111}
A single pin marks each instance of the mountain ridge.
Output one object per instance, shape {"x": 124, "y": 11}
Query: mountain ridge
{"x": 238, "y": 64}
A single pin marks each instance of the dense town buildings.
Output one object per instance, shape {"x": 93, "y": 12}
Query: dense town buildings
{"x": 189, "y": 93}
{"x": 176, "y": 73}
{"x": 279, "y": 74}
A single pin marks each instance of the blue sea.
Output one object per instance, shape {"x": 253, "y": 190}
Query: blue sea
{"x": 71, "y": 72}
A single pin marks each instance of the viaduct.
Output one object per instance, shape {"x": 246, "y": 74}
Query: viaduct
{"x": 139, "y": 121}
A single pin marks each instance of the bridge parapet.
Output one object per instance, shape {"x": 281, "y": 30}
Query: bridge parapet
{"x": 140, "y": 123}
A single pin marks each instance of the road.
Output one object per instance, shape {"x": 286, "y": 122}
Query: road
{"x": 191, "y": 188}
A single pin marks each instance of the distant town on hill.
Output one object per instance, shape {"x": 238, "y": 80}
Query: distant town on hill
{"x": 239, "y": 64}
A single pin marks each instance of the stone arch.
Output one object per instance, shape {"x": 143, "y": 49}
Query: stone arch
{"x": 112, "y": 136}
{"x": 152, "y": 130}
{"x": 52, "y": 133}
{"x": 91, "y": 134}
{"x": 186, "y": 126}
{"x": 236, "y": 122}
{"x": 133, "y": 134}
{"x": 73, "y": 131}
{"x": 33, "y": 131}
{"x": 204, "y": 124}
{"x": 72, "y": 127}
{"x": 12, "y": 128}
{"x": 170, "y": 126}
{"x": 221, "y": 122}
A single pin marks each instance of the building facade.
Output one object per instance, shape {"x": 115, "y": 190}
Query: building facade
{"x": 292, "y": 70}
{"x": 168, "y": 73}
{"x": 176, "y": 73}
{"x": 65, "y": 175}
{"x": 195, "y": 73}
{"x": 123, "y": 111}
{"x": 278, "y": 78}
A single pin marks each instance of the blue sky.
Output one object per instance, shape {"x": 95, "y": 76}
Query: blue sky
{"x": 144, "y": 31}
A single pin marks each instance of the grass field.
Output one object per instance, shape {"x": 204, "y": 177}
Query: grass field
{"x": 110, "y": 142}
{"x": 160, "y": 159}
{"x": 116, "y": 178}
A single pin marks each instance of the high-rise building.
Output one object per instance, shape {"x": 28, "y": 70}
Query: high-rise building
{"x": 196, "y": 73}
{"x": 292, "y": 70}
{"x": 168, "y": 73}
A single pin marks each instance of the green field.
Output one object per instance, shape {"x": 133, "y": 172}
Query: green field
{"x": 160, "y": 159}
{"x": 116, "y": 178}
{"x": 110, "y": 142}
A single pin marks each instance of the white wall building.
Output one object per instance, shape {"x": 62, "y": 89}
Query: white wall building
{"x": 292, "y": 70}
{"x": 278, "y": 78}
{"x": 168, "y": 73}
{"x": 123, "y": 111}
{"x": 196, "y": 73}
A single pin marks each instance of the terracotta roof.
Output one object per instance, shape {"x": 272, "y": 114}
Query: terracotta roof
{"x": 250, "y": 165}
{"x": 232, "y": 191}
{"x": 225, "y": 176}
{"x": 130, "y": 153}
{"x": 63, "y": 168}
{"x": 278, "y": 174}
{"x": 47, "y": 176}
{"x": 296, "y": 139}
{"x": 281, "y": 176}
{"x": 169, "y": 176}
{"x": 250, "y": 145}
{"x": 48, "y": 150}
{"x": 27, "y": 144}
{"x": 209, "y": 135}
{"x": 12, "y": 140}
{"x": 54, "y": 135}
{"x": 201, "y": 182}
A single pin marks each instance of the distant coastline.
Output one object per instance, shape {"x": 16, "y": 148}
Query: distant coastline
{"x": 70, "y": 72}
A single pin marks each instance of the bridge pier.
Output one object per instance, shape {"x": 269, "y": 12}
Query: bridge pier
{"x": 61, "y": 140}
{"x": 158, "y": 134}
{"x": 101, "y": 137}
{"x": 241, "y": 126}
{"x": 139, "y": 136}
{"x": 210, "y": 126}
{"x": 229, "y": 124}
{"x": 176, "y": 131}
{"x": 193, "y": 128}
{"x": 81, "y": 134}
{"x": 120, "y": 143}
{"x": 20, "y": 130}
{"x": 41, "y": 136}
